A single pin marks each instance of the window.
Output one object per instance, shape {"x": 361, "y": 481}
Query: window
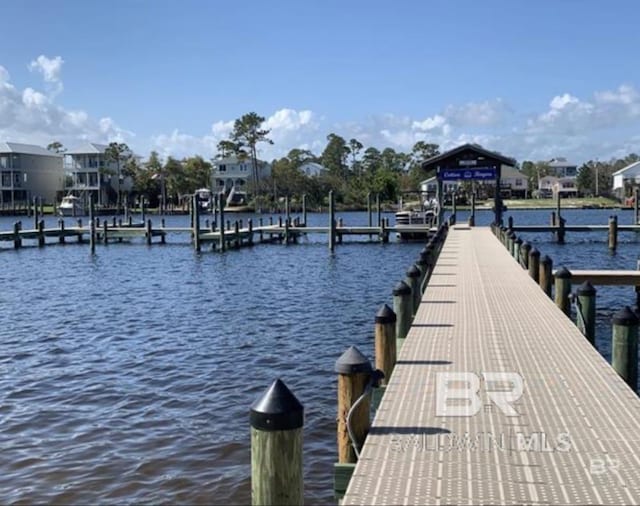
{"x": 4, "y": 162}
{"x": 6, "y": 179}
{"x": 519, "y": 182}
{"x": 222, "y": 168}
{"x": 16, "y": 162}
{"x": 17, "y": 179}
{"x": 93, "y": 179}
{"x": 220, "y": 182}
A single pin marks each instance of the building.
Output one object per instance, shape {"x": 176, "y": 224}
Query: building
{"x": 561, "y": 168}
{"x": 312, "y": 169}
{"x": 89, "y": 173}
{"x": 561, "y": 180}
{"x": 627, "y": 176}
{"x": 29, "y": 171}
{"x": 233, "y": 171}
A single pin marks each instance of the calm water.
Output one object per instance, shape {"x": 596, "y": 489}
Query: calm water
{"x": 127, "y": 377}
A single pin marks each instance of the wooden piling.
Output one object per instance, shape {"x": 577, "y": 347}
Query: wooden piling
{"x": 105, "y": 225}
{"x": 250, "y": 227}
{"x": 636, "y": 206}
{"x": 534, "y": 264}
{"x": 277, "y": 419}
{"x": 237, "y": 239}
{"x": 92, "y": 227}
{"x": 287, "y": 220}
{"x": 561, "y": 232}
{"x": 332, "y": 223}
{"x": 563, "y": 290}
{"x": 195, "y": 209}
{"x": 369, "y": 211}
{"x": 517, "y": 244}
{"x": 613, "y": 233}
{"x": 472, "y": 216}
{"x": 624, "y": 346}
{"x": 354, "y": 373}
{"x": 35, "y": 213}
{"x": 223, "y": 244}
{"x": 586, "y": 317}
{"x": 413, "y": 281}
{"x": 385, "y": 341}
{"x": 17, "y": 240}
{"x": 61, "y": 237}
{"x": 545, "y": 274}
{"x": 510, "y": 223}
{"x": 525, "y": 249}
{"x": 304, "y": 209}
{"x": 403, "y": 308}
{"x": 149, "y": 232}
{"x": 552, "y": 220}
{"x": 379, "y": 209}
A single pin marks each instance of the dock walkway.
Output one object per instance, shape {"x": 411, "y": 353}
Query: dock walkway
{"x": 574, "y": 437}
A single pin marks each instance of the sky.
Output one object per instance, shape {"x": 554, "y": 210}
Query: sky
{"x": 532, "y": 80}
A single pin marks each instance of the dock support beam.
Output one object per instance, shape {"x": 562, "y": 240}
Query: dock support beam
{"x": 276, "y": 447}
{"x": 624, "y": 346}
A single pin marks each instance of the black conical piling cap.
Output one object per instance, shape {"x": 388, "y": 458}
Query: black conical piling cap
{"x": 413, "y": 272}
{"x": 586, "y": 289}
{"x": 519, "y": 240}
{"x": 422, "y": 259}
{"x": 534, "y": 252}
{"x": 385, "y": 315}
{"x": 401, "y": 289}
{"x": 625, "y": 317}
{"x": 563, "y": 273}
{"x": 525, "y": 246}
{"x": 352, "y": 362}
{"x": 277, "y": 409}
{"x": 546, "y": 260}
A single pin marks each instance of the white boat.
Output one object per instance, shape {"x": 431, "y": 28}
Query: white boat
{"x": 205, "y": 198}
{"x": 416, "y": 223}
{"x": 70, "y": 206}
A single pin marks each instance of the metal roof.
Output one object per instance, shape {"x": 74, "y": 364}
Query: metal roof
{"x": 88, "y": 148}
{"x": 25, "y": 149}
{"x": 435, "y": 160}
{"x": 634, "y": 165}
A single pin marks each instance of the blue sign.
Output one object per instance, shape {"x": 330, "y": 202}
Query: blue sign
{"x": 470, "y": 173}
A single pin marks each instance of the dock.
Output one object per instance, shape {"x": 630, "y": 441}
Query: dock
{"x": 497, "y": 398}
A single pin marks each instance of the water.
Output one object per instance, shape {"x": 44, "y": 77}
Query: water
{"x": 127, "y": 377}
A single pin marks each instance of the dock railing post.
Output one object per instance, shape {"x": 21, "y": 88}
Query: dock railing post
{"x": 332, "y": 222}
{"x": 413, "y": 280}
{"x": 534, "y": 264}
{"x": 277, "y": 420}
{"x": 385, "y": 341}
{"x": 545, "y": 274}
{"x": 613, "y": 233}
{"x": 586, "y": 310}
{"x": 223, "y": 244}
{"x": 354, "y": 376}
{"x": 403, "y": 308}
{"x": 563, "y": 290}
{"x": 624, "y": 346}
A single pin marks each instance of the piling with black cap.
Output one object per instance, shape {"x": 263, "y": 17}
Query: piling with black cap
{"x": 403, "y": 308}
{"x": 472, "y": 215}
{"x": 92, "y": 227}
{"x": 277, "y": 420}
{"x": 516, "y": 249}
{"x": 385, "y": 341}
{"x": 354, "y": 373}
{"x": 61, "y": 227}
{"x": 624, "y": 346}
{"x": 332, "y": 223}
{"x": 561, "y": 232}
{"x": 17, "y": 239}
{"x": 534, "y": 264}
{"x": 149, "y": 231}
{"x": 195, "y": 209}
{"x": 545, "y": 274}
{"x": 41, "y": 233}
{"x": 223, "y": 242}
{"x": 563, "y": 290}
{"x": 586, "y": 319}
{"x": 423, "y": 264}
{"x": 510, "y": 222}
{"x": 413, "y": 280}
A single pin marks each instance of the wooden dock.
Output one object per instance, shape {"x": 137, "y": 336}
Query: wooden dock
{"x": 571, "y": 435}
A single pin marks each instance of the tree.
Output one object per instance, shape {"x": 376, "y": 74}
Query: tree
{"x": 119, "y": 153}
{"x": 156, "y": 173}
{"x": 197, "y": 173}
{"x": 334, "y": 156}
{"x": 56, "y": 147}
{"x": 227, "y": 148}
{"x": 355, "y": 147}
{"x": 371, "y": 160}
{"x": 247, "y": 133}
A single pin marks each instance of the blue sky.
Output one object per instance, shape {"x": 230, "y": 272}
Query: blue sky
{"x": 533, "y": 80}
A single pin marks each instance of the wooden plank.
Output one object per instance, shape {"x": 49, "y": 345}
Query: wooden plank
{"x": 574, "y": 437}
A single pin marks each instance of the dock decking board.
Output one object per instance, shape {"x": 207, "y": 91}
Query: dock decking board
{"x": 482, "y": 313}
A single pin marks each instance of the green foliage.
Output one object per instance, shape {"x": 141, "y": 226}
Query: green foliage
{"x": 56, "y": 147}
{"x": 246, "y": 135}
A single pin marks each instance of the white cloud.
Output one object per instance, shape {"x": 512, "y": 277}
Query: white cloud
{"x": 49, "y": 68}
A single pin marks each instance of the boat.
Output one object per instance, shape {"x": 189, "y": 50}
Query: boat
{"x": 415, "y": 224}
{"x": 71, "y": 206}
{"x": 237, "y": 202}
{"x": 205, "y": 198}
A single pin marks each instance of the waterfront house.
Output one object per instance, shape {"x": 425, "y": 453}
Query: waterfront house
{"x": 232, "y": 171}
{"x": 625, "y": 177}
{"x": 312, "y": 169}
{"x": 90, "y": 173}
{"x": 29, "y": 171}
{"x": 561, "y": 180}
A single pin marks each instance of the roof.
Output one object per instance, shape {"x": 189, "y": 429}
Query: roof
{"x": 508, "y": 171}
{"x": 452, "y": 154}
{"x": 25, "y": 149}
{"x": 631, "y": 167}
{"x": 88, "y": 148}
{"x": 234, "y": 159}
{"x": 561, "y": 162}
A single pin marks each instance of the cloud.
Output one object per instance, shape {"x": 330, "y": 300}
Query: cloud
{"x": 33, "y": 116}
